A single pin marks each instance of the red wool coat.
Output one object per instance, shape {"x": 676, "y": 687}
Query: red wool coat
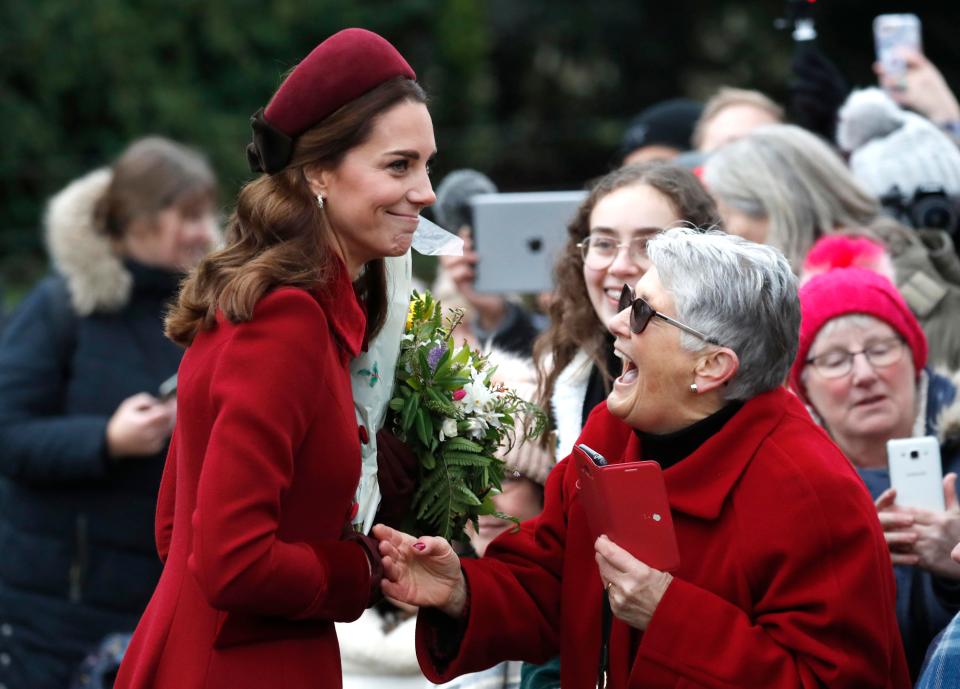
{"x": 258, "y": 485}
{"x": 785, "y": 579}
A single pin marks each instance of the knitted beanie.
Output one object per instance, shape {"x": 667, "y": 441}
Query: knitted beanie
{"x": 853, "y": 291}
{"x": 891, "y": 147}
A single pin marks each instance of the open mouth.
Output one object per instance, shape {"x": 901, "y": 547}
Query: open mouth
{"x": 630, "y": 371}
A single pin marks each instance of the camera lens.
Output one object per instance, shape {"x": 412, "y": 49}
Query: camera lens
{"x": 914, "y": 454}
{"x": 935, "y": 211}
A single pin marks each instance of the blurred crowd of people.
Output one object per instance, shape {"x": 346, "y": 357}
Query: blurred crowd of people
{"x": 807, "y": 255}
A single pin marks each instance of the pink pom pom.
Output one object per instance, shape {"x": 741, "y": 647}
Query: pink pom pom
{"x": 842, "y": 251}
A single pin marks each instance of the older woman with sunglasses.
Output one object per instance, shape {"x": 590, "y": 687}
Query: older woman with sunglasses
{"x": 773, "y": 589}
{"x": 861, "y": 369}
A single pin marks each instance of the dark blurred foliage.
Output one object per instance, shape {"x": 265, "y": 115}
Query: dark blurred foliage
{"x": 533, "y": 92}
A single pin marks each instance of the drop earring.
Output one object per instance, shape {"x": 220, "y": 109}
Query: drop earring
{"x": 320, "y": 200}
{"x": 693, "y": 388}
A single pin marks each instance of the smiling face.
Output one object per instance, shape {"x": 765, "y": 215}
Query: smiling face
{"x": 653, "y": 392}
{"x": 636, "y": 211}
{"x": 373, "y": 198}
{"x": 867, "y": 402}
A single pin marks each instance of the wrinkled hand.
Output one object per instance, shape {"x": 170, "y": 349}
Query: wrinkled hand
{"x": 922, "y": 88}
{"x": 896, "y": 523}
{"x": 421, "y": 571}
{"x": 938, "y": 532}
{"x": 140, "y": 426}
{"x": 463, "y": 272}
{"x": 634, "y": 588}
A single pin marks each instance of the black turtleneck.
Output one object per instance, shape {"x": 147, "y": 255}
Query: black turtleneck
{"x": 670, "y": 448}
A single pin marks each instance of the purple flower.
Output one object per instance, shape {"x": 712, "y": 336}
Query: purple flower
{"x": 433, "y": 358}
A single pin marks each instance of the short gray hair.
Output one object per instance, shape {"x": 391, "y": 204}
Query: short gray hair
{"x": 794, "y": 179}
{"x": 738, "y": 292}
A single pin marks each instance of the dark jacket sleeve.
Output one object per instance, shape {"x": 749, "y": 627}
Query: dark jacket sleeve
{"x": 38, "y": 441}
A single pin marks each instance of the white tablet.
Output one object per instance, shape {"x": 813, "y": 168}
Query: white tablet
{"x": 518, "y": 236}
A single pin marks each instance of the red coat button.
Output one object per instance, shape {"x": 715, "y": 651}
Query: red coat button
{"x": 364, "y": 436}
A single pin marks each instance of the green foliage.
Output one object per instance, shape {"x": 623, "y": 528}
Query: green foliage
{"x": 456, "y": 423}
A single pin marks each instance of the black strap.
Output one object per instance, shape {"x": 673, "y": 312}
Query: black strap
{"x": 606, "y": 623}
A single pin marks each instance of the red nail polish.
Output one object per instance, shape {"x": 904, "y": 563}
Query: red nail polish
{"x": 419, "y": 546}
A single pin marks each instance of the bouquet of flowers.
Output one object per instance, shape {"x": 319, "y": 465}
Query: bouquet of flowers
{"x": 455, "y": 420}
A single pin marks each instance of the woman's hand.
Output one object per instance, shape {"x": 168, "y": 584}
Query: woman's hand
{"x": 634, "y": 589}
{"x": 938, "y": 532}
{"x": 922, "y": 88}
{"x": 490, "y": 308}
{"x": 140, "y": 426}
{"x": 897, "y": 523}
{"x": 424, "y": 572}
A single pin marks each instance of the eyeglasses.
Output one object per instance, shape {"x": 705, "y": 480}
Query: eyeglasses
{"x": 641, "y": 313}
{"x": 599, "y": 252}
{"x": 838, "y": 363}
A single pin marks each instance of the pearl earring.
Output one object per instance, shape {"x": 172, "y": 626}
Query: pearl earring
{"x": 320, "y": 200}
{"x": 693, "y": 387}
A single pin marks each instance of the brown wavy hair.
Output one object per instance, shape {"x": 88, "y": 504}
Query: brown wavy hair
{"x": 279, "y": 236}
{"x": 574, "y": 324}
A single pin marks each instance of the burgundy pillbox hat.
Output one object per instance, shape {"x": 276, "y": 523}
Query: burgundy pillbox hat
{"x": 845, "y": 291}
{"x": 339, "y": 70}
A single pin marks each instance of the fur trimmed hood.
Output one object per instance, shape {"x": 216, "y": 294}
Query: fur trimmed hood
{"x": 96, "y": 277}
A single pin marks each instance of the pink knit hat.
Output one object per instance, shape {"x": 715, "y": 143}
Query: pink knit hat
{"x": 847, "y": 291}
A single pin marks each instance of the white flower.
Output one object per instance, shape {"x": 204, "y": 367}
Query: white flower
{"x": 448, "y": 429}
{"x": 476, "y": 427}
{"x": 478, "y": 396}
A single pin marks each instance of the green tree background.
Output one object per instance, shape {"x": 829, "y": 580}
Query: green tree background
{"x": 536, "y": 93}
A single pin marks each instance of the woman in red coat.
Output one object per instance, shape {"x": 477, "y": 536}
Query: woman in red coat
{"x": 257, "y": 493}
{"x": 784, "y": 580}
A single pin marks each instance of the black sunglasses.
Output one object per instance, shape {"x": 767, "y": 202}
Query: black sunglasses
{"x": 641, "y": 313}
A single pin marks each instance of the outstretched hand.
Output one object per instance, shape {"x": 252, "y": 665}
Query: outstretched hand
{"x": 421, "y": 571}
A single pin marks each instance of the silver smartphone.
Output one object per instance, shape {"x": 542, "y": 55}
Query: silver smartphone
{"x": 517, "y": 237}
{"x": 891, "y": 34}
{"x": 916, "y": 472}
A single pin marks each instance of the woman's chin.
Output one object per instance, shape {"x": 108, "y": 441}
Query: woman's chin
{"x": 618, "y": 404}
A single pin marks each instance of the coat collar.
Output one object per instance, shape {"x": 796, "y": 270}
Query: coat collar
{"x": 699, "y": 485}
{"x": 348, "y": 320}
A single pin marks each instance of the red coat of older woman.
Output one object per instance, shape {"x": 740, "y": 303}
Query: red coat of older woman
{"x": 785, "y": 578}
{"x": 257, "y": 488}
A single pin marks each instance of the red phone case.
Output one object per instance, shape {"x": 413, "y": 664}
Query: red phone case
{"x": 628, "y": 502}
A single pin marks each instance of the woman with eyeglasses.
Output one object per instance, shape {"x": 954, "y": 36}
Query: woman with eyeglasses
{"x": 861, "y": 368}
{"x": 605, "y": 250}
{"x": 780, "y": 583}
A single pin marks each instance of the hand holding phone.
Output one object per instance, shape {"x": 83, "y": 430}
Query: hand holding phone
{"x": 916, "y": 472}
{"x": 895, "y": 34}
